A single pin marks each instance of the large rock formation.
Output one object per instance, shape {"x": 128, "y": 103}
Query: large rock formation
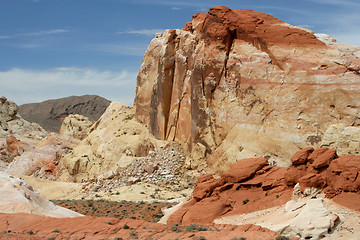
{"x": 240, "y": 84}
{"x": 49, "y": 114}
{"x": 114, "y": 141}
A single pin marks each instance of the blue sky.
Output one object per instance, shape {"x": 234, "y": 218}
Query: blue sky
{"x": 57, "y": 48}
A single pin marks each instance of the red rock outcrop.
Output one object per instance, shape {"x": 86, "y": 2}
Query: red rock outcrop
{"x": 27, "y": 226}
{"x": 242, "y": 84}
{"x": 264, "y": 186}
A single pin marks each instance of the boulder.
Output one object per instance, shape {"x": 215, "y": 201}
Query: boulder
{"x": 243, "y": 169}
{"x": 316, "y": 153}
{"x": 301, "y": 156}
{"x": 324, "y": 159}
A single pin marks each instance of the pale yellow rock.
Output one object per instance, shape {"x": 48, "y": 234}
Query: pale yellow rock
{"x": 75, "y": 126}
{"x": 113, "y": 141}
{"x": 346, "y": 139}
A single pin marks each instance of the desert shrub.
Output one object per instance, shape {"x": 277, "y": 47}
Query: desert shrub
{"x": 56, "y": 230}
{"x": 52, "y": 238}
{"x": 175, "y": 228}
{"x": 31, "y": 232}
{"x": 126, "y": 226}
{"x": 192, "y": 227}
{"x": 202, "y": 228}
{"x": 245, "y": 201}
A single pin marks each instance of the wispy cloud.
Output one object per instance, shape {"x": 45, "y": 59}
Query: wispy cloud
{"x": 347, "y": 3}
{"x": 30, "y": 34}
{"x": 177, "y": 3}
{"x": 120, "y": 49}
{"x": 24, "y": 85}
{"x": 147, "y": 32}
{"x": 47, "y": 32}
{"x": 5, "y": 37}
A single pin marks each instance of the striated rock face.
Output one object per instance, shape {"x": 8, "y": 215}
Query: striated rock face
{"x": 240, "y": 84}
{"x": 18, "y": 197}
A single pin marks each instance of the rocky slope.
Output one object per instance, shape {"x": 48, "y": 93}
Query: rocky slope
{"x": 251, "y": 191}
{"x": 235, "y": 84}
{"x": 16, "y": 134}
{"x": 49, "y": 114}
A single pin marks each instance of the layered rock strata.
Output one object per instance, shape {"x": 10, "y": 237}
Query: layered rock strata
{"x": 235, "y": 84}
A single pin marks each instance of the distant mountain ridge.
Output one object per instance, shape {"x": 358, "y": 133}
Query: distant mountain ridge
{"x": 49, "y": 114}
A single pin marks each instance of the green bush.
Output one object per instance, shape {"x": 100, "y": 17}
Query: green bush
{"x": 192, "y": 227}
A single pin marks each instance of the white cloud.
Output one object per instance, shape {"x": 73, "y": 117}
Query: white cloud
{"x": 5, "y": 37}
{"x": 347, "y": 3}
{"x": 176, "y": 8}
{"x": 147, "y": 32}
{"x": 120, "y": 49}
{"x": 47, "y": 32}
{"x": 25, "y": 86}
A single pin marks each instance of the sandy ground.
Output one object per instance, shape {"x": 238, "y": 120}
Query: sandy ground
{"x": 54, "y": 190}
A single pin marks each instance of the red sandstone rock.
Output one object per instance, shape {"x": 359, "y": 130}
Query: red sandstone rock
{"x": 311, "y": 180}
{"x": 324, "y": 159}
{"x": 205, "y": 211}
{"x": 343, "y": 173}
{"x": 301, "y": 156}
{"x": 244, "y": 169}
{"x": 205, "y": 186}
{"x": 18, "y": 226}
{"x": 252, "y": 185}
{"x": 294, "y": 173}
{"x": 316, "y": 153}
